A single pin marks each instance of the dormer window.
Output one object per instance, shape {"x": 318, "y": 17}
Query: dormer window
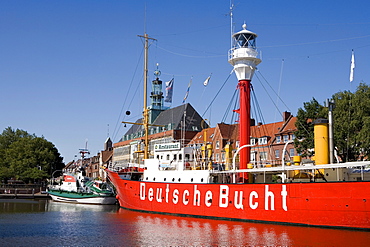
{"x": 262, "y": 140}
{"x": 285, "y": 138}
{"x": 278, "y": 139}
{"x": 253, "y": 141}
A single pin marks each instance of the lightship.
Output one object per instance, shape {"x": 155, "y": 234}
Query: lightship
{"x": 338, "y": 196}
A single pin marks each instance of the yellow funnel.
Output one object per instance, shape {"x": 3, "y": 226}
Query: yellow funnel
{"x": 321, "y": 141}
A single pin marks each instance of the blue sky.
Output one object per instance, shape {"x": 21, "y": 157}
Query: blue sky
{"x": 69, "y": 70}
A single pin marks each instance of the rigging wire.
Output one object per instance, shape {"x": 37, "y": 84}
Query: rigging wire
{"x": 259, "y": 117}
{"x": 275, "y": 94}
{"x": 271, "y": 89}
{"x": 316, "y": 42}
{"x": 280, "y": 79}
{"x": 214, "y": 98}
{"x": 184, "y": 55}
{"x": 256, "y": 107}
{"x": 118, "y": 123}
{"x": 268, "y": 92}
{"x": 229, "y": 107}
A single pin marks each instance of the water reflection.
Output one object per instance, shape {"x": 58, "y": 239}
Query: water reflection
{"x": 47, "y": 223}
{"x": 34, "y": 205}
{"x": 152, "y": 229}
{"x": 71, "y": 207}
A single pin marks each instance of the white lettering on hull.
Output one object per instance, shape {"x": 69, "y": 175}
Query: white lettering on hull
{"x": 252, "y": 204}
{"x": 208, "y": 199}
{"x": 185, "y": 199}
{"x": 159, "y": 195}
{"x": 238, "y": 203}
{"x": 174, "y": 195}
{"x": 224, "y": 196}
{"x": 196, "y": 201}
{"x": 269, "y": 196}
{"x": 284, "y": 194}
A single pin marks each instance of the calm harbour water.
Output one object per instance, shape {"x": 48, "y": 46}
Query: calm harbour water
{"x": 48, "y": 223}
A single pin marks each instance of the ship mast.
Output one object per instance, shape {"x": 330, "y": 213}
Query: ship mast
{"x": 243, "y": 56}
{"x": 145, "y": 110}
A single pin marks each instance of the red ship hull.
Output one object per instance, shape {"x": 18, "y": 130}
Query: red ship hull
{"x": 331, "y": 204}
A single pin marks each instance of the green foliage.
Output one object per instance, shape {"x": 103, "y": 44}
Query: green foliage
{"x": 351, "y": 124}
{"x": 304, "y": 142}
{"x": 27, "y": 157}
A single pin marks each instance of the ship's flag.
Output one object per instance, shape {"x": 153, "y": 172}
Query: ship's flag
{"x": 188, "y": 90}
{"x": 205, "y": 83}
{"x": 352, "y": 67}
{"x": 169, "y": 90}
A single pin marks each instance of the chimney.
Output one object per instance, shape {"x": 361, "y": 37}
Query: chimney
{"x": 286, "y": 115}
{"x": 253, "y": 122}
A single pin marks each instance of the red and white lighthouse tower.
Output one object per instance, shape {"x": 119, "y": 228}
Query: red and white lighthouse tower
{"x": 243, "y": 56}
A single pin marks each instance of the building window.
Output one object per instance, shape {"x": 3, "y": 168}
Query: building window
{"x": 253, "y": 156}
{"x": 253, "y": 141}
{"x": 237, "y": 144}
{"x": 262, "y": 141}
{"x": 263, "y": 156}
{"x": 217, "y": 144}
{"x": 292, "y": 137}
{"x": 291, "y": 152}
{"x": 217, "y": 157}
{"x": 223, "y": 157}
{"x": 277, "y": 153}
{"x": 278, "y": 139}
{"x": 285, "y": 138}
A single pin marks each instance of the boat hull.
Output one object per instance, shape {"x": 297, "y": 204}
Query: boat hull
{"x": 330, "y": 204}
{"x": 73, "y": 197}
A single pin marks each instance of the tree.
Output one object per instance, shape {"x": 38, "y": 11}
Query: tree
{"x": 304, "y": 143}
{"x": 27, "y": 157}
{"x": 351, "y": 124}
{"x": 7, "y": 138}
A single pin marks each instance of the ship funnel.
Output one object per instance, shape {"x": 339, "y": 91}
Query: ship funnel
{"x": 321, "y": 135}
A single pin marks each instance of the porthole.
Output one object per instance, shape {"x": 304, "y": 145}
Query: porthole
{"x": 165, "y": 179}
{"x": 179, "y": 179}
{"x": 173, "y": 180}
{"x": 201, "y": 180}
{"x": 192, "y": 180}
